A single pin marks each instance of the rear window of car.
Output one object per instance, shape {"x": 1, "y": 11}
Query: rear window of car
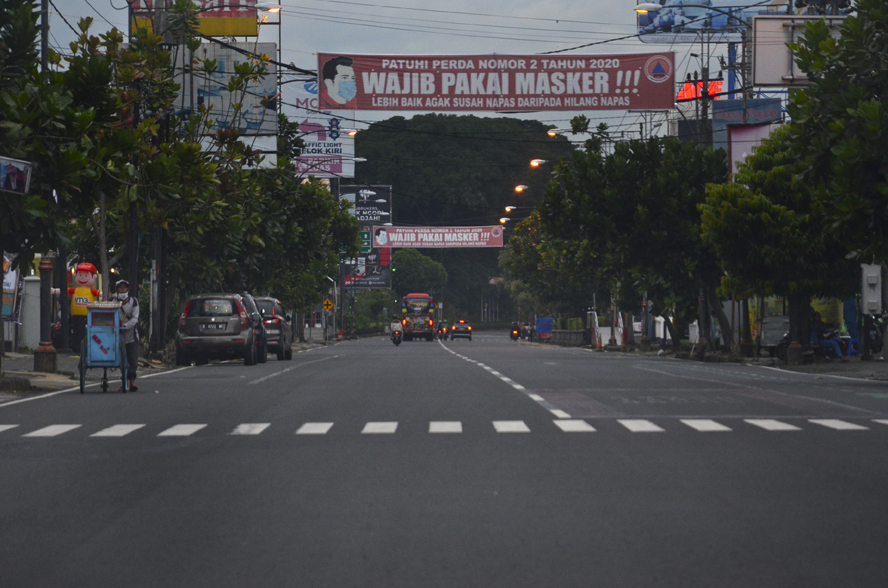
{"x": 265, "y": 307}
{"x": 212, "y": 307}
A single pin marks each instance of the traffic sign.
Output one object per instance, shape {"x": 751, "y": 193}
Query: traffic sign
{"x": 328, "y": 304}
{"x": 366, "y": 244}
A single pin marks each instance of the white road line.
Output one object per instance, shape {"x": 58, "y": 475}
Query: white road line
{"x": 705, "y": 425}
{"x": 445, "y": 427}
{"x": 314, "y": 429}
{"x": 250, "y": 428}
{"x": 380, "y": 428}
{"x": 772, "y": 425}
{"x": 536, "y": 397}
{"x": 640, "y": 426}
{"x": 117, "y": 431}
{"x": 7, "y": 427}
{"x": 510, "y": 427}
{"x": 574, "y": 426}
{"x": 181, "y": 431}
{"x": 51, "y": 431}
{"x": 880, "y": 421}
{"x": 838, "y": 425}
{"x": 284, "y": 371}
{"x": 560, "y": 413}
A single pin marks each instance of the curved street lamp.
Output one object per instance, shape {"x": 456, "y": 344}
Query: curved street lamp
{"x": 521, "y": 188}
{"x": 537, "y": 162}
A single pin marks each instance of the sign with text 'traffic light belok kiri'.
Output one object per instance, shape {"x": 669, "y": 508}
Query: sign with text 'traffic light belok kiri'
{"x": 438, "y": 237}
{"x": 496, "y": 82}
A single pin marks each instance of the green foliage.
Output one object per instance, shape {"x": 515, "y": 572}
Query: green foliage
{"x": 417, "y": 273}
{"x": 769, "y": 234}
{"x": 840, "y": 126}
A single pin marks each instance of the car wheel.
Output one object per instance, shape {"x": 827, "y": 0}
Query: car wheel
{"x": 288, "y": 355}
{"x": 250, "y": 355}
{"x": 201, "y": 361}
{"x": 182, "y": 359}
{"x": 281, "y": 354}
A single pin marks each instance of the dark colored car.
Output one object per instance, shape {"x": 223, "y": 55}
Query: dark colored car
{"x": 220, "y": 326}
{"x": 278, "y": 326}
{"x": 442, "y": 331}
{"x": 461, "y": 329}
{"x": 258, "y": 328}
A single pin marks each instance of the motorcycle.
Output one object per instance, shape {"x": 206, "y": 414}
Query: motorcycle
{"x": 515, "y": 334}
{"x": 396, "y": 337}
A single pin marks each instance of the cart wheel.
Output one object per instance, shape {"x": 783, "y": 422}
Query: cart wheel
{"x": 81, "y": 366}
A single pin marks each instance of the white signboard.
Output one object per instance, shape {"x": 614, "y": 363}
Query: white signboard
{"x": 773, "y": 63}
{"x": 329, "y": 150}
{"x": 259, "y": 113}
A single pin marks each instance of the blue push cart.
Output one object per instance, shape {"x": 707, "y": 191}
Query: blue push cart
{"x": 102, "y": 347}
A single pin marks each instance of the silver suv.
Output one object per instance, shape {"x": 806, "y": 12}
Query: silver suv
{"x": 219, "y": 326}
{"x": 278, "y": 326}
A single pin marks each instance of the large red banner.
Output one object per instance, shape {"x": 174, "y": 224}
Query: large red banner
{"x": 440, "y": 237}
{"x": 496, "y": 82}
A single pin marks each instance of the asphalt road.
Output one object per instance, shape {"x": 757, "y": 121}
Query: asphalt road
{"x": 483, "y": 463}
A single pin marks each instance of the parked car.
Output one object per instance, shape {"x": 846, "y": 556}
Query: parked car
{"x": 461, "y": 329}
{"x": 258, "y": 328}
{"x": 278, "y": 326}
{"x": 220, "y": 326}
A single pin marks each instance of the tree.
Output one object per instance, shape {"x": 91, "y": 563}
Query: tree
{"x": 771, "y": 236}
{"x": 840, "y": 126}
{"x": 415, "y": 272}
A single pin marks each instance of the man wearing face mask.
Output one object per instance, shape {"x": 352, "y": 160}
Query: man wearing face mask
{"x": 129, "y": 331}
{"x": 339, "y": 78}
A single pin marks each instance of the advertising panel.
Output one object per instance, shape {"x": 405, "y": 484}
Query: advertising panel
{"x": 721, "y": 21}
{"x": 218, "y": 18}
{"x": 11, "y": 285}
{"x": 15, "y": 175}
{"x": 258, "y": 115}
{"x": 496, "y": 82}
{"x": 329, "y": 150}
{"x": 371, "y": 205}
{"x": 438, "y": 237}
{"x": 773, "y": 62}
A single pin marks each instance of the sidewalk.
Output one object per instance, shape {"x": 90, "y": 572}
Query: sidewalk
{"x": 19, "y": 379}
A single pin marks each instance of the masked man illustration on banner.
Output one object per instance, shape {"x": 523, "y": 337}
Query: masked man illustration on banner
{"x": 339, "y": 80}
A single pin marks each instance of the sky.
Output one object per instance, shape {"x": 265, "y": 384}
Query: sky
{"x": 518, "y": 27}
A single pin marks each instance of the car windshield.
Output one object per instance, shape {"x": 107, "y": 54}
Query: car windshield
{"x": 212, "y": 307}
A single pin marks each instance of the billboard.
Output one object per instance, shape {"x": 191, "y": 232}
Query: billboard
{"x": 258, "y": 115}
{"x": 329, "y": 150}
{"x": 496, "y": 82}
{"x": 720, "y": 20}
{"x": 218, "y": 18}
{"x": 773, "y": 62}
{"x": 15, "y": 175}
{"x": 371, "y": 205}
{"x": 437, "y": 237}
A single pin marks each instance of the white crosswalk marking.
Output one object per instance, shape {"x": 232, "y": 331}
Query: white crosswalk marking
{"x": 880, "y": 421}
{"x": 510, "y": 427}
{"x": 772, "y": 425}
{"x": 705, "y": 425}
{"x": 51, "y": 431}
{"x": 7, "y": 427}
{"x": 640, "y": 426}
{"x": 117, "y": 431}
{"x": 380, "y": 428}
{"x": 838, "y": 425}
{"x": 250, "y": 428}
{"x": 560, "y": 413}
{"x": 445, "y": 427}
{"x": 181, "y": 431}
{"x": 574, "y": 426}
{"x": 314, "y": 429}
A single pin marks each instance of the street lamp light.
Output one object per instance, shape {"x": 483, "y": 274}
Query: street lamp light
{"x": 521, "y": 188}
{"x": 504, "y": 220}
{"x": 537, "y": 162}
{"x": 510, "y": 208}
